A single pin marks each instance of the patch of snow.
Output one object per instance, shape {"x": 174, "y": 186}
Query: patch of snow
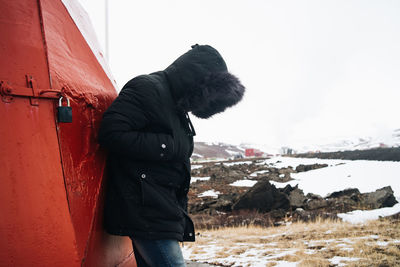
{"x": 212, "y": 143}
{"x": 210, "y": 193}
{"x": 236, "y": 163}
{"x": 382, "y": 243}
{"x": 197, "y": 155}
{"x": 193, "y": 167}
{"x": 338, "y": 260}
{"x": 347, "y": 249}
{"x": 285, "y": 264}
{"x": 195, "y": 179}
{"x": 284, "y": 162}
{"x": 231, "y": 152}
{"x": 254, "y": 174}
{"x": 361, "y": 216}
{"x": 244, "y": 183}
{"x": 365, "y": 175}
{"x": 208, "y": 160}
{"x": 278, "y": 184}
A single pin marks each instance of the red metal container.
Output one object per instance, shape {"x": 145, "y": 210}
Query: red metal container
{"x": 52, "y": 173}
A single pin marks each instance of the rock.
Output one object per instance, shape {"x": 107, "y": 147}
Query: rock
{"x": 287, "y": 170}
{"x": 262, "y": 197}
{"x": 287, "y": 189}
{"x": 297, "y": 198}
{"x": 314, "y": 204}
{"x": 223, "y": 203}
{"x": 379, "y": 199}
{"x": 202, "y": 206}
{"x": 313, "y": 196}
{"x": 346, "y": 192}
{"x": 304, "y": 168}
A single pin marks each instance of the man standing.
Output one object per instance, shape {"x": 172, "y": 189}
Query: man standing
{"x": 149, "y": 136}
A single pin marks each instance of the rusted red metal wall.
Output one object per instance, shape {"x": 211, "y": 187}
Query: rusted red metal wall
{"x": 51, "y": 173}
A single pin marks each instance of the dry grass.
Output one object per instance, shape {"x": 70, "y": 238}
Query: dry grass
{"x": 309, "y": 244}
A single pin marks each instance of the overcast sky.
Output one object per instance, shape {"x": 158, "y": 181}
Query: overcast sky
{"x": 315, "y": 71}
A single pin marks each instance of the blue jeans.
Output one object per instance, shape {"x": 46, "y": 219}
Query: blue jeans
{"x": 152, "y": 253}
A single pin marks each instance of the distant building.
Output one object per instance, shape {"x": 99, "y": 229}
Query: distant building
{"x": 252, "y": 152}
{"x": 286, "y": 150}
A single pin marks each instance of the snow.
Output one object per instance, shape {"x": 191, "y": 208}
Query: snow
{"x": 195, "y": 179}
{"x": 244, "y": 183}
{"x": 284, "y": 162}
{"x": 278, "y": 184}
{"x": 361, "y": 216}
{"x": 338, "y": 260}
{"x": 210, "y": 193}
{"x": 254, "y": 174}
{"x": 382, "y": 243}
{"x": 193, "y": 167}
{"x": 365, "y": 175}
{"x": 255, "y": 256}
{"x": 236, "y": 163}
{"x": 82, "y": 21}
{"x": 285, "y": 264}
{"x": 231, "y": 152}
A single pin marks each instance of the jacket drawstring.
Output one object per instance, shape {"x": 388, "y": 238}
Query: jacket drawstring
{"x": 191, "y": 128}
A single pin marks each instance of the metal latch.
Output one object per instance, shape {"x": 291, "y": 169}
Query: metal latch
{"x": 8, "y": 91}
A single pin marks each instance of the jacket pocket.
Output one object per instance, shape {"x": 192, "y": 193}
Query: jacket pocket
{"x": 159, "y": 201}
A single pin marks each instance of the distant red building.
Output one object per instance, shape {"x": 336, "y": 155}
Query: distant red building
{"x": 251, "y": 152}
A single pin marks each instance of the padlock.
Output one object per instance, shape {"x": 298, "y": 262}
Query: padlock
{"x": 64, "y": 113}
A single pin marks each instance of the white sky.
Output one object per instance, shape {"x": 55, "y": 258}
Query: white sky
{"x": 315, "y": 71}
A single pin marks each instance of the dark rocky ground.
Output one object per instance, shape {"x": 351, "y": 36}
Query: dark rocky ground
{"x": 264, "y": 204}
{"x": 387, "y": 154}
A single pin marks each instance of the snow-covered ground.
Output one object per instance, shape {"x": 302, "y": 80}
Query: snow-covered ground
{"x": 316, "y": 244}
{"x": 244, "y": 183}
{"x": 360, "y": 216}
{"x": 195, "y": 179}
{"x": 210, "y": 193}
{"x": 236, "y": 163}
{"x": 366, "y": 175}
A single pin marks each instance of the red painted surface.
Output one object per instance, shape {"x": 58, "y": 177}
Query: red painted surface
{"x": 249, "y": 152}
{"x": 52, "y": 174}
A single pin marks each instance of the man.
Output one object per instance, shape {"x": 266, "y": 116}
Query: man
{"x": 149, "y": 136}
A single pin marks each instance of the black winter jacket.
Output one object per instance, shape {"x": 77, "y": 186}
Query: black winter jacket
{"x": 149, "y": 137}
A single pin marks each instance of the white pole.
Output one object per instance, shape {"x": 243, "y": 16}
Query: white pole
{"x": 106, "y": 29}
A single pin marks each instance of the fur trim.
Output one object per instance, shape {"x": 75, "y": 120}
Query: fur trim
{"x": 213, "y": 95}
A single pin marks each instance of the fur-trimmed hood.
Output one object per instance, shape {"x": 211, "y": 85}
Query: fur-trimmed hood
{"x": 200, "y": 82}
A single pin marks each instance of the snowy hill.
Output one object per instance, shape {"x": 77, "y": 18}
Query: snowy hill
{"x": 391, "y": 139}
{"x": 222, "y": 150}
{"x": 215, "y": 150}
